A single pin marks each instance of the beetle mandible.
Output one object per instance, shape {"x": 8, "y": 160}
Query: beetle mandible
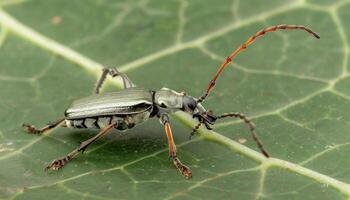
{"x": 133, "y": 105}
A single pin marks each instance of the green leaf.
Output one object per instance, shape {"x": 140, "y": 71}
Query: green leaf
{"x": 295, "y": 88}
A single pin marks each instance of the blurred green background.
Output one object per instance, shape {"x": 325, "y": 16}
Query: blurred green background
{"x": 294, "y": 87}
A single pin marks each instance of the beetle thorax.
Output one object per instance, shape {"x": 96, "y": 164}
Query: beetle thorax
{"x": 168, "y": 100}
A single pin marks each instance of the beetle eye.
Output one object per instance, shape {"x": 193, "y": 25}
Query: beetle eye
{"x": 192, "y": 105}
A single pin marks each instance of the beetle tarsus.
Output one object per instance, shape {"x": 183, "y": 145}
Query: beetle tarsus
{"x": 58, "y": 164}
{"x": 31, "y": 129}
{"x": 183, "y": 169}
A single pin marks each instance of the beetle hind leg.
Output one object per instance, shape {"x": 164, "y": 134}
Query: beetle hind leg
{"x": 59, "y": 163}
{"x": 33, "y": 130}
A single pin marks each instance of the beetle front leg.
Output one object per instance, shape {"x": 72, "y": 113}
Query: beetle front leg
{"x": 57, "y": 164}
{"x": 114, "y": 73}
{"x": 183, "y": 169}
{"x": 32, "y": 129}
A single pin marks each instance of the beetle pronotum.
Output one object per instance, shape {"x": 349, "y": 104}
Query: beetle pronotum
{"x": 133, "y": 105}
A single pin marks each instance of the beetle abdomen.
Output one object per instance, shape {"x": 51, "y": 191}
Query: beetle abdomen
{"x": 96, "y": 122}
{"x": 123, "y": 122}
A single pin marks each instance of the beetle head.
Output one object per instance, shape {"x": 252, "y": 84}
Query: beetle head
{"x": 191, "y": 106}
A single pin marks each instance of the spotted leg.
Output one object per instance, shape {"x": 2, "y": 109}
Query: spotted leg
{"x": 183, "y": 169}
{"x": 114, "y": 73}
{"x": 33, "y": 130}
{"x": 57, "y": 164}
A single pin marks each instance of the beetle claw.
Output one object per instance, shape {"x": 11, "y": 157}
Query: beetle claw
{"x": 183, "y": 169}
{"x": 56, "y": 164}
{"x": 30, "y": 128}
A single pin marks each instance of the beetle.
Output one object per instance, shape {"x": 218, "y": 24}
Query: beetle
{"x": 133, "y": 105}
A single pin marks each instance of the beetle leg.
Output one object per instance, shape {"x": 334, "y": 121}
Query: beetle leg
{"x": 57, "y": 164}
{"x": 252, "y": 128}
{"x": 183, "y": 169}
{"x": 114, "y": 73}
{"x": 32, "y": 129}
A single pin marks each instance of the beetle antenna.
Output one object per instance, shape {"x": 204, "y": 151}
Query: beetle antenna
{"x": 245, "y": 45}
{"x": 251, "y": 127}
